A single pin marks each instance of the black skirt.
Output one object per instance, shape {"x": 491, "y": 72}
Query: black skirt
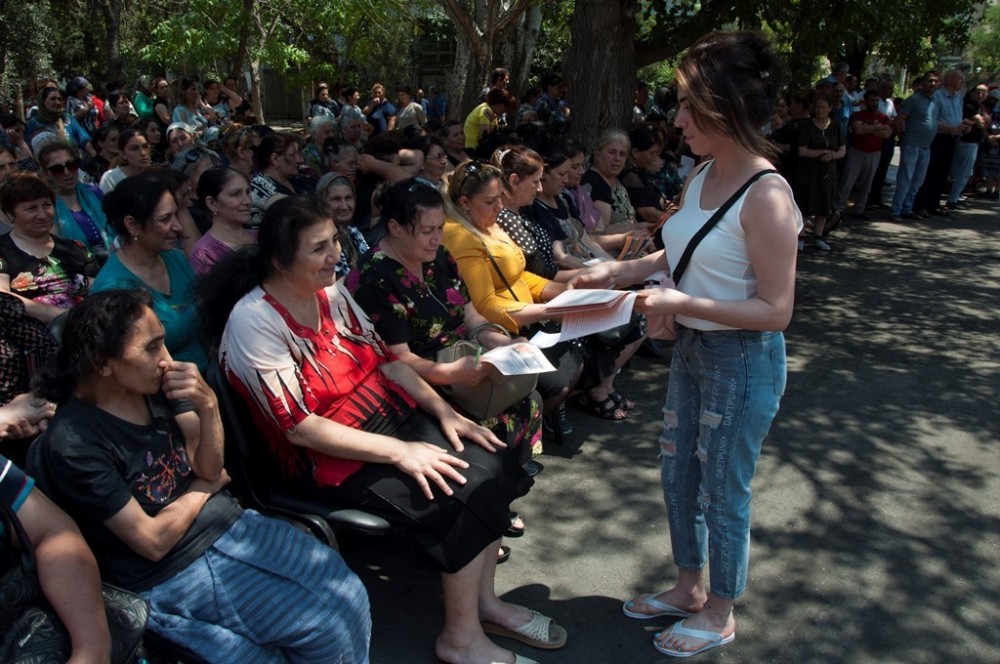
{"x": 450, "y": 530}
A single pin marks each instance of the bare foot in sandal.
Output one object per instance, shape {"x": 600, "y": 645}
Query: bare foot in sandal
{"x": 603, "y": 406}
{"x": 671, "y": 602}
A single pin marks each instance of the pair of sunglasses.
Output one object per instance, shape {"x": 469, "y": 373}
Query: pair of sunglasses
{"x": 71, "y": 166}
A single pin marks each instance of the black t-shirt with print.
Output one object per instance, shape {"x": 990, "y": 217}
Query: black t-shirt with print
{"x": 94, "y": 463}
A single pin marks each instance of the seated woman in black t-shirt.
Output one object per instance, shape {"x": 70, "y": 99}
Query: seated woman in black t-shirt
{"x": 645, "y": 161}
{"x": 137, "y": 447}
{"x": 49, "y": 274}
{"x": 555, "y": 208}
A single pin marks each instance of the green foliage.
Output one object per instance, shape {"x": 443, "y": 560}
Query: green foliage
{"x": 25, "y": 47}
{"x": 553, "y": 39}
{"x": 985, "y": 40}
{"x": 350, "y": 41}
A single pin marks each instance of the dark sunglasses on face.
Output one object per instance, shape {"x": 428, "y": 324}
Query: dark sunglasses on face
{"x": 70, "y": 166}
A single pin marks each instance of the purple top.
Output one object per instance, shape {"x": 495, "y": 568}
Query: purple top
{"x": 208, "y": 251}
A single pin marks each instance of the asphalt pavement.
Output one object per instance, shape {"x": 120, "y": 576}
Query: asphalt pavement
{"x": 876, "y": 510}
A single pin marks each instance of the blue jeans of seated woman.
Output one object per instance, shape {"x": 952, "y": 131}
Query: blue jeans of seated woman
{"x": 723, "y": 394}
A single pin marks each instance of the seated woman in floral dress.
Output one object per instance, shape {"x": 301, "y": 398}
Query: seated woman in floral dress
{"x": 409, "y": 286}
{"x": 48, "y": 274}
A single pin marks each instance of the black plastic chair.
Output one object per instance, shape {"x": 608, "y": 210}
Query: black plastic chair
{"x": 253, "y": 470}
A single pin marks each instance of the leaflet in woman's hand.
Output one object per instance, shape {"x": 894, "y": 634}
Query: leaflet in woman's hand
{"x": 581, "y": 322}
{"x": 584, "y": 299}
{"x": 517, "y": 359}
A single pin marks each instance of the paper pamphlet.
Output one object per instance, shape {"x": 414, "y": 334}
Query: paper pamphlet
{"x": 517, "y": 359}
{"x": 583, "y": 299}
{"x": 607, "y": 309}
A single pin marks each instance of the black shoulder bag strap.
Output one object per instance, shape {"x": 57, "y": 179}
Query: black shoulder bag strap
{"x": 499, "y": 271}
{"x": 693, "y": 243}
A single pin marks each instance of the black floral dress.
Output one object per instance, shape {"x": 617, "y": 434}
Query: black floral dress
{"x": 428, "y": 314}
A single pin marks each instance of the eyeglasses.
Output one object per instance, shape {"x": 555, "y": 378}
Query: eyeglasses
{"x": 71, "y": 166}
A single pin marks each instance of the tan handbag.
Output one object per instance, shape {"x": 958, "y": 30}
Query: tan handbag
{"x": 494, "y": 394}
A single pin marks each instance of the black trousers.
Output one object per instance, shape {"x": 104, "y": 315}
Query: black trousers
{"x": 942, "y": 152}
{"x": 878, "y": 182}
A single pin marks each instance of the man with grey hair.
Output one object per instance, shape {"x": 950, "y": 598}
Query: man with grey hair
{"x": 950, "y": 128}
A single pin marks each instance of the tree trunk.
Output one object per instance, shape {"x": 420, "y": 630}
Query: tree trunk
{"x": 466, "y": 78}
{"x": 258, "y": 107}
{"x": 481, "y": 30}
{"x": 519, "y": 46}
{"x": 19, "y": 102}
{"x": 112, "y": 10}
{"x": 600, "y": 67}
{"x": 240, "y": 58}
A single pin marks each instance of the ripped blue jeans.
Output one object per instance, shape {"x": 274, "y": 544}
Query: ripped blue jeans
{"x": 723, "y": 394}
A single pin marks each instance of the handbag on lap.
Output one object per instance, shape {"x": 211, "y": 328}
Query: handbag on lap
{"x": 31, "y": 631}
{"x": 494, "y": 394}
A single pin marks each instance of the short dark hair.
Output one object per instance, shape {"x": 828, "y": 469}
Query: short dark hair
{"x": 498, "y": 96}
{"x": 214, "y": 180}
{"x": 128, "y": 133}
{"x": 498, "y": 74}
{"x": 21, "y": 187}
{"x": 51, "y": 148}
{"x": 96, "y": 331}
{"x": 270, "y": 144}
{"x": 137, "y": 197}
{"x": 406, "y": 201}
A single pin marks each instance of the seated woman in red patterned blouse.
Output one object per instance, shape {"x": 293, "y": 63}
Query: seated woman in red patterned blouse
{"x": 348, "y": 421}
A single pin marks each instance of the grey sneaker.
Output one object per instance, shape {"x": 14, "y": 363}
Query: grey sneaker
{"x": 821, "y": 245}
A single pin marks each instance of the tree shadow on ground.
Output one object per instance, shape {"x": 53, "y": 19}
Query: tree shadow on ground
{"x": 876, "y": 528}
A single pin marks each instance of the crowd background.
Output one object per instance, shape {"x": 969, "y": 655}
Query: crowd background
{"x": 214, "y": 173}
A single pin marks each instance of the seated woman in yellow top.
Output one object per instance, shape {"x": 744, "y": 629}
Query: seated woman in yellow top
{"x": 483, "y": 250}
{"x": 493, "y": 269}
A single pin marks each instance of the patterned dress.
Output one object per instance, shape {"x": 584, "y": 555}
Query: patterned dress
{"x": 428, "y": 314}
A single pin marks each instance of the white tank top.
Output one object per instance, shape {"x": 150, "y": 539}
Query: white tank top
{"x": 720, "y": 267}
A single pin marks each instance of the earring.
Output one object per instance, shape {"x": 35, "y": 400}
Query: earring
{"x": 135, "y": 238}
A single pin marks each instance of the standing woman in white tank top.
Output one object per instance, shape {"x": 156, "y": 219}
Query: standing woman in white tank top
{"x": 728, "y": 368}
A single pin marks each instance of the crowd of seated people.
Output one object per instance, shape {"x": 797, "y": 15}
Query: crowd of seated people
{"x": 158, "y": 232}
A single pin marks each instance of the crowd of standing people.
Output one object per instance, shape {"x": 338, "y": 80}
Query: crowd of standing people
{"x": 155, "y": 235}
{"x": 838, "y": 139}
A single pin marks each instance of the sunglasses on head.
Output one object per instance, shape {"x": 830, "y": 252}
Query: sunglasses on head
{"x": 70, "y": 166}
{"x": 471, "y": 168}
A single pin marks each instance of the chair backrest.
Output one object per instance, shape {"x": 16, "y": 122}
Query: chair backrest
{"x": 248, "y": 460}
{"x": 256, "y": 476}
